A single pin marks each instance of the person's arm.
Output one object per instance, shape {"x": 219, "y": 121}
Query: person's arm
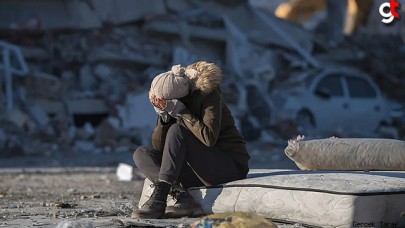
{"x": 159, "y": 133}
{"x": 163, "y": 123}
{"x": 206, "y": 129}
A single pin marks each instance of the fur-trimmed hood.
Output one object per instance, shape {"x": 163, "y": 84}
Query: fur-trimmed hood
{"x": 204, "y": 76}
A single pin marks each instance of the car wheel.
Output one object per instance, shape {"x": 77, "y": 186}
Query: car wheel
{"x": 305, "y": 123}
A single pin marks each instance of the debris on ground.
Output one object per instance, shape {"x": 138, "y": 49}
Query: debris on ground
{"x": 62, "y": 205}
{"x": 75, "y": 224}
{"x": 124, "y": 172}
{"x": 236, "y": 219}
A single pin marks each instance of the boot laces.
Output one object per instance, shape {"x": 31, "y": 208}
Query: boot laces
{"x": 176, "y": 194}
{"x": 157, "y": 190}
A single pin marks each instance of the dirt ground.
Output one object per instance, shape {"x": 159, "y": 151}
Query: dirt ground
{"x": 44, "y": 197}
{"x": 79, "y": 197}
{"x": 53, "y": 193}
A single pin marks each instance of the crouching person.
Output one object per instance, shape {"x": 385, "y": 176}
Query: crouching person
{"x": 195, "y": 142}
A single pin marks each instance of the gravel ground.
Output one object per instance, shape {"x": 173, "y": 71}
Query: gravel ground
{"x": 46, "y": 197}
{"x": 49, "y": 191}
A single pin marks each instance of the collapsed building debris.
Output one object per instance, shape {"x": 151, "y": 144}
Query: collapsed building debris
{"x": 86, "y": 88}
{"x": 90, "y": 14}
{"x": 12, "y": 63}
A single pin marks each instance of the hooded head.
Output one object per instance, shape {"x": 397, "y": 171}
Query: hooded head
{"x": 204, "y": 76}
{"x": 172, "y": 84}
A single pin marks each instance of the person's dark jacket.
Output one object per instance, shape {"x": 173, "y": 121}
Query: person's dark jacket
{"x": 208, "y": 118}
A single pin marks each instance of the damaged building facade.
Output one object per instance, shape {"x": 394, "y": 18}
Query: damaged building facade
{"x": 75, "y": 74}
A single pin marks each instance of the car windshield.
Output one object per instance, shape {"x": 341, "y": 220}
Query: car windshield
{"x": 330, "y": 84}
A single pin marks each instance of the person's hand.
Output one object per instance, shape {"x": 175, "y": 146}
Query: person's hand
{"x": 174, "y": 107}
{"x": 157, "y": 102}
{"x": 163, "y": 114}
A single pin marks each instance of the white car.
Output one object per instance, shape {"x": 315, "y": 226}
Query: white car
{"x": 334, "y": 101}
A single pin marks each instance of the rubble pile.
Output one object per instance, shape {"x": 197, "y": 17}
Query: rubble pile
{"x": 77, "y": 94}
{"x": 384, "y": 56}
{"x": 86, "y": 89}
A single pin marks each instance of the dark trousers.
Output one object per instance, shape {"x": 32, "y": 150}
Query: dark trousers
{"x": 187, "y": 161}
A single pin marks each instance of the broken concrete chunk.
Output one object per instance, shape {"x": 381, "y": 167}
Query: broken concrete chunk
{"x": 128, "y": 10}
{"x": 122, "y": 149}
{"x": 87, "y": 79}
{"x": 35, "y": 53}
{"x": 17, "y": 117}
{"x": 183, "y": 57}
{"x": 87, "y": 106}
{"x": 44, "y": 85}
{"x": 150, "y": 73}
{"x": 137, "y": 112}
{"x": 71, "y": 133}
{"x": 269, "y": 6}
{"x": 103, "y": 71}
{"x": 106, "y": 135}
{"x": 69, "y": 79}
{"x": 109, "y": 55}
{"x": 81, "y": 133}
{"x": 38, "y": 114}
{"x": 2, "y": 136}
{"x": 115, "y": 122}
{"x": 76, "y": 15}
{"x": 37, "y": 146}
{"x": 168, "y": 27}
{"x": 67, "y": 76}
{"x": 88, "y": 128}
{"x": 52, "y": 107}
{"x": 86, "y": 146}
{"x": 179, "y": 6}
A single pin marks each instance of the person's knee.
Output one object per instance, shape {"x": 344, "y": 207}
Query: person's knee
{"x": 139, "y": 154}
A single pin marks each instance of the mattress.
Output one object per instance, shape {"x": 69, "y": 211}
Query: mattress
{"x": 315, "y": 198}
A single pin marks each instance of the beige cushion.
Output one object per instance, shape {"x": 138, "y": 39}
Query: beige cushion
{"x": 347, "y": 154}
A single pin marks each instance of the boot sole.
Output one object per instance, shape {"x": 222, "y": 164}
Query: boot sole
{"x": 176, "y": 214}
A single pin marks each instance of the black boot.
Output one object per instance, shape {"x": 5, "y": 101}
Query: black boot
{"x": 155, "y": 207}
{"x": 185, "y": 206}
